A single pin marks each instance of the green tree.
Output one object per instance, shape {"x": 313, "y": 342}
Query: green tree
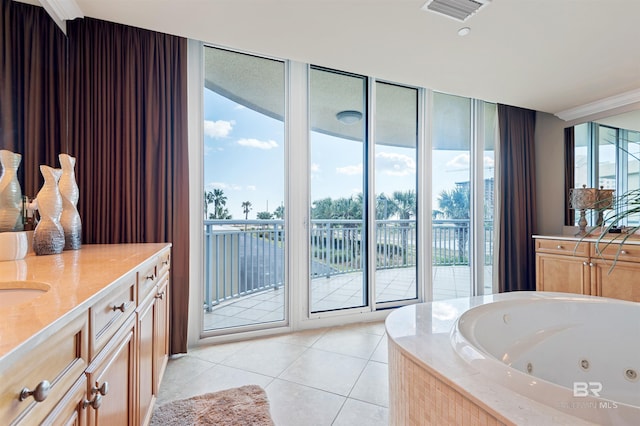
{"x": 208, "y": 199}
{"x": 246, "y": 208}
{"x": 264, "y": 215}
{"x": 455, "y": 204}
{"x": 279, "y": 212}
{"x": 405, "y": 204}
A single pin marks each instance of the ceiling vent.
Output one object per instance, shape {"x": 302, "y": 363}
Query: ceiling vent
{"x": 459, "y": 10}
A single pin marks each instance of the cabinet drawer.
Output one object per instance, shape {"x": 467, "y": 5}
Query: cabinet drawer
{"x": 147, "y": 279}
{"x": 164, "y": 262}
{"x": 110, "y": 312}
{"x": 624, "y": 252}
{"x": 567, "y": 247}
{"x": 60, "y": 358}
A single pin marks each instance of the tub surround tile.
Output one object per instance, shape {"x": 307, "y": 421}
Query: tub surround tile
{"x": 445, "y": 388}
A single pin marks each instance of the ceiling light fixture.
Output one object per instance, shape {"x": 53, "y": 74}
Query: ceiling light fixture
{"x": 349, "y": 116}
{"x": 464, "y": 31}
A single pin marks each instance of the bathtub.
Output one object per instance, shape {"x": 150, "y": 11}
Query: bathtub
{"x": 515, "y": 359}
{"x": 577, "y": 354}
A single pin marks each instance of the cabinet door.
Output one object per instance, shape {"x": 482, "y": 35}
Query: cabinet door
{"x": 111, "y": 381}
{"x": 621, "y": 282}
{"x": 161, "y": 333}
{"x": 146, "y": 392}
{"x": 71, "y": 410}
{"x": 567, "y": 274}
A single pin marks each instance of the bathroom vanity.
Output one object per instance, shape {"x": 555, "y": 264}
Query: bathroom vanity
{"x": 584, "y": 266}
{"x": 92, "y": 347}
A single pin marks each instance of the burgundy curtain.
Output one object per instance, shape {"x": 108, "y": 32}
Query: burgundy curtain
{"x": 569, "y": 173}
{"x": 128, "y": 131}
{"x": 33, "y": 91}
{"x": 517, "y": 208}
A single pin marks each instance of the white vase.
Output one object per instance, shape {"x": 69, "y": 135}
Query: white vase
{"x": 10, "y": 193}
{"x": 70, "y": 218}
{"x": 48, "y": 237}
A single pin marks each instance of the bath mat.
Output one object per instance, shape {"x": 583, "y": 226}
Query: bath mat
{"x": 246, "y": 405}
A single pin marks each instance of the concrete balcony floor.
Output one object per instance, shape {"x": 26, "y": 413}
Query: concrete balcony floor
{"x": 342, "y": 291}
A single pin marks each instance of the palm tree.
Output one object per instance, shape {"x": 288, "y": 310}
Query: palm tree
{"x": 246, "y": 207}
{"x": 279, "y": 212}
{"x": 455, "y": 204}
{"x": 405, "y": 203}
{"x": 219, "y": 200}
{"x": 208, "y": 199}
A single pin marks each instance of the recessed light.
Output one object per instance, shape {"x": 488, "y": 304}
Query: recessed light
{"x": 349, "y": 116}
{"x": 464, "y": 31}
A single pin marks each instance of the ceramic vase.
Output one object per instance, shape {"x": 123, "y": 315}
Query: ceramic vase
{"x": 70, "y": 218}
{"x": 48, "y": 237}
{"x": 10, "y": 193}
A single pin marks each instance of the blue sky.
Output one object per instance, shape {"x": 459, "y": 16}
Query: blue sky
{"x": 244, "y": 156}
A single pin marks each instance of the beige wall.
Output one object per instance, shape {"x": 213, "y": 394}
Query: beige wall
{"x": 549, "y": 150}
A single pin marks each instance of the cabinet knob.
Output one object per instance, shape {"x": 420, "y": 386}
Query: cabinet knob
{"x": 95, "y": 403}
{"x": 591, "y": 264}
{"x": 560, "y": 247}
{"x": 102, "y": 390}
{"x": 623, "y": 252}
{"x": 151, "y": 277}
{"x": 160, "y": 295}
{"x": 165, "y": 262}
{"x": 584, "y": 263}
{"x": 119, "y": 308}
{"x": 40, "y": 393}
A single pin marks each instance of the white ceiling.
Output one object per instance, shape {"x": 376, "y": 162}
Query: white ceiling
{"x": 547, "y": 55}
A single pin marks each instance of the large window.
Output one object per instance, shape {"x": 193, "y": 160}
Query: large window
{"x": 244, "y": 174}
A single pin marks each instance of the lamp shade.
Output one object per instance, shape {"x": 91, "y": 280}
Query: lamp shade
{"x": 605, "y": 199}
{"x": 583, "y": 198}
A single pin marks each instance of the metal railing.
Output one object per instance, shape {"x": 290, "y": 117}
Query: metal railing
{"x": 246, "y": 256}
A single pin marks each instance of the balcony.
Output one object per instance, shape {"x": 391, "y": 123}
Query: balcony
{"x": 244, "y": 267}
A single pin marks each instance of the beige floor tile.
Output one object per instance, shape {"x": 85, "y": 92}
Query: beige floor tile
{"x": 373, "y": 385}
{"x": 348, "y": 341}
{"x": 296, "y": 405}
{"x": 183, "y": 369}
{"x": 356, "y": 413}
{"x": 218, "y": 352}
{"x": 303, "y": 338}
{"x": 325, "y": 370}
{"x": 381, "y": 354}
{"x": 265, "y": 357}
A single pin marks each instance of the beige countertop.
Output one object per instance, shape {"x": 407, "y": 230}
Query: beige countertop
{"x": 613, "y": 238}
{"x": 77, "y": 278}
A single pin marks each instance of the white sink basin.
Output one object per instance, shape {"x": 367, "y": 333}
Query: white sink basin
{"x": 18, "y": 292}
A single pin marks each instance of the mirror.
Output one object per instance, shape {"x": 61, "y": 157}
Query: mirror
{"x": 33, "y": 91}
{"x": 603, "y": 154}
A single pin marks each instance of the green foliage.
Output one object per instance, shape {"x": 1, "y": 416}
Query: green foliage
{"x": 264, "y": 215}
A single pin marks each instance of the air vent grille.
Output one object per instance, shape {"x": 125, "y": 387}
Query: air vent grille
{"x": 456, "y": 9}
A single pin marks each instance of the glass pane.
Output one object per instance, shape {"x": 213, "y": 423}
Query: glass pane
{"x": 451, "y": 129}
{"x": 607, "y": 157}
{"x": 630, "y": 143}
{"x": 338, "y": 244}
{"x": 396, "y": 144}
{"x": 244, "y": 190}
{"x": 490, "y": 124}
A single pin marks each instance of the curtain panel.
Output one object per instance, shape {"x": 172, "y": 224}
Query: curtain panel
{"x": 517, "y": 205}
{"x": 128, "y": 130}
{"x": 33, "y": 89}
{"x": 569, "y": 173}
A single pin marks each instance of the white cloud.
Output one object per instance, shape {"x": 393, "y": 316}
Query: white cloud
{"x": 350, "y": 170}
{"x": 459, "y": 162}
{"x": 251, "y": 188}
{"x": 224, "y": 186}
{"x": 489, "y": 162}
{"x": 218, "y": 129}
{"x": 255, "y": 143}
{"x": 315, "y": 167}
{"x": 392, "y": 164}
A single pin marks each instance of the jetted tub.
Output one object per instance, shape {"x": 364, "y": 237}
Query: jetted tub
{"x": 577, "y": 354}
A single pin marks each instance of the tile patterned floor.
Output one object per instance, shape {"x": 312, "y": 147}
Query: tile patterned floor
{"x": 340, "y": 291}
{"x": 329, "y": 376}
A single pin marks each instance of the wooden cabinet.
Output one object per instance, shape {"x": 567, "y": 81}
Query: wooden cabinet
{"x": 584, "y": 267}
{"x": 153, "y": 327}
{"x": 101, "y": 363}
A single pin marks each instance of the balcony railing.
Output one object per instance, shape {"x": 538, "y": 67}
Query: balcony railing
{"x": 246, "y": 256}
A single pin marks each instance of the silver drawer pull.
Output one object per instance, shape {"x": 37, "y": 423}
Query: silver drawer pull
{"x": 95, "y": 403}
{"x": 166, "y": 262}
{"x": 160, "y": 295}
{"x": 151, "y": 277}
{"x": 560, "y": 247}
{"x": 40, "y": 393}
{"x": 102, "y": 390}
{"x": 623, "y": 252}
{"x": 118, "y": 308}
